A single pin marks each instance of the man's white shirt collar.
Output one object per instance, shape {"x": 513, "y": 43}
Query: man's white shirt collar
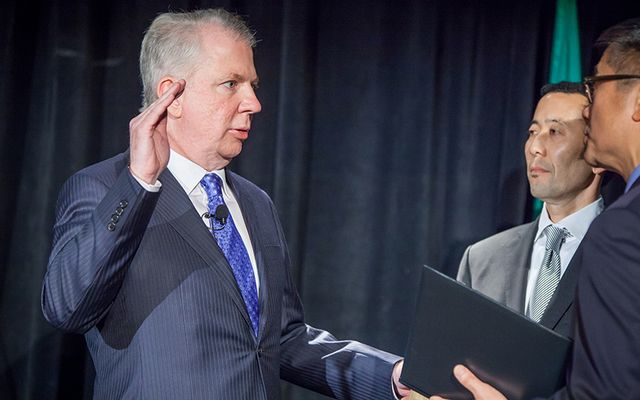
{"x": 189, "y": 174}
{"x": 574, "y": 223}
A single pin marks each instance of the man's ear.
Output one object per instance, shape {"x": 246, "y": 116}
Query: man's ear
{"x": 175, "y": 108}
{"x": 636, "y": 106}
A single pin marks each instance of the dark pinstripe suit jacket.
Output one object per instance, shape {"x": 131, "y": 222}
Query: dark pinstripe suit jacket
{"x": 141, "y": 276}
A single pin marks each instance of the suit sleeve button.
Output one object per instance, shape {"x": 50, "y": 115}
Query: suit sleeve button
{"x": 119, "y": 210}
{"x": 111, "y": 226}
{"x": 115, "y": 218}
{"x": 123, "y": 203}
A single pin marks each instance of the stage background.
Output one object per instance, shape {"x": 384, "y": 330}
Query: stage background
{"x": 391, "y": 136}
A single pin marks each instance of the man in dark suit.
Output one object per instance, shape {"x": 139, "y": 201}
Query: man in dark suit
{"x": 509, "y": 266}
{"x": 606, "y": 353}
{"x": 176, "y": 269}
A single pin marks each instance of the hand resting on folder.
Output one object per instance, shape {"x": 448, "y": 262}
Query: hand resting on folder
{"x": 479, "y": 389}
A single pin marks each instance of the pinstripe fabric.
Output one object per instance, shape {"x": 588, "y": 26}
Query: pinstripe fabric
{"x": 230, "y": 242}
{"x": 160, "y": 309}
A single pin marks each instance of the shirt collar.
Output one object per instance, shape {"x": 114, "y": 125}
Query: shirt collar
{"x": 188, "y": 173}
{"x": 635, "y": 174}
{"x": 577, "y": 223}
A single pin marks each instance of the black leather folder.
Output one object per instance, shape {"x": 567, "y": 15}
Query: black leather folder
{"x": 457, "y": 325}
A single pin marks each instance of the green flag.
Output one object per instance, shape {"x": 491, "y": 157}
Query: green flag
{"x": 565, "y": 50}
{"x": 565, "y": 54}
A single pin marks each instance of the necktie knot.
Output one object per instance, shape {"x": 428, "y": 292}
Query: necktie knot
{"x": 212, "y": 185}
{"x": 555, "y": 237}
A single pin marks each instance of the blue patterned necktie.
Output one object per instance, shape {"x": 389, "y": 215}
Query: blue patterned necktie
{"x": 231, "y": 244}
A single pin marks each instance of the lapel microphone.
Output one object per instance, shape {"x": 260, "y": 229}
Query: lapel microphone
{"x": 221, "y": 214}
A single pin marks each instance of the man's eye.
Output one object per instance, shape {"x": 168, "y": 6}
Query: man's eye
{"x": 230, "y": 84}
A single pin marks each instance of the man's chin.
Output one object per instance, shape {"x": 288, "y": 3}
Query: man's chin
{"x": 232, "y": 151}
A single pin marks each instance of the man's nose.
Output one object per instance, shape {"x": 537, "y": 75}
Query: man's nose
{"x": 250, "y": 103}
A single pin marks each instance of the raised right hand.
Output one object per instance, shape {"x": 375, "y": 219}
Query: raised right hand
{"x": 148, "y": 136}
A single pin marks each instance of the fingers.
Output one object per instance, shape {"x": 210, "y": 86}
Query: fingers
{"x": 479, "y": 389}
{"x": 401, "y": 389}
{"x": 147, "y": 120}
{"x": 464, "y": 376}
{"x": 149, "y": 146}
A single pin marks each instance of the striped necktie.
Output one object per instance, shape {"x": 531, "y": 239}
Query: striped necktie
{"x": 549, "y": 276}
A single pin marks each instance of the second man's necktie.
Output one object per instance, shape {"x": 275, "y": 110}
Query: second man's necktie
{"x": 549, "y": 276}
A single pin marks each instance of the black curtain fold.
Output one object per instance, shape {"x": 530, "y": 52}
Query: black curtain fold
{"x": 391, "y": 136}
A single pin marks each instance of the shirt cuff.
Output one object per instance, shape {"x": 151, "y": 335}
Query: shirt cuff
{"x": 149, "y": 188}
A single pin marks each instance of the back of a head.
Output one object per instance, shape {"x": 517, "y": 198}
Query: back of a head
{"x": 623, "y": 44}
{"x": 171, "y": 44}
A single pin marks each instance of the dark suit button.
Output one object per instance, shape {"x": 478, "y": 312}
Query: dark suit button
{"x": 260, "y": 351}
{"x": 111, "y": 226}
{"x": 123, "y": 203}
{"x": 115, "y": 218}
{"x": 119, "y": 210}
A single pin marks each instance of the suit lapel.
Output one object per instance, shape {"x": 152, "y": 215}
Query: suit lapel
{"x": 176, "y": 209}
{"x": 516, "y": 282}
{"x": 250, "y": 217}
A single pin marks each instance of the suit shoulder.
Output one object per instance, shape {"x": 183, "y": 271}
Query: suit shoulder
{"x": 618, "y": 225}
{"x": 503, "y": 237}
{"x": 248, "y": 188}
{"x": 105, "y": 171}
{"x": 93, "y": 180}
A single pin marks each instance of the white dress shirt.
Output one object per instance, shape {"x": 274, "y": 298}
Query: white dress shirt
{"x": 576, "y": 224}
{"x": 189, "y": 175}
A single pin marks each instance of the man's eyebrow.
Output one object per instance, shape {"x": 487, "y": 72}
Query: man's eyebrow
{"x": 241, "y": 78}
{"x": 234, "y": 76}
{"x": 551, "y": 120}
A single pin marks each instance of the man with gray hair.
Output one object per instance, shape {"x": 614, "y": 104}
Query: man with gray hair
{"x": 176, "y": 269}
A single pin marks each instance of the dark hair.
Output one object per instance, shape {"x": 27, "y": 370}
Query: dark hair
{"x": 563, "y": 87}
{"x": 623, "y": 42}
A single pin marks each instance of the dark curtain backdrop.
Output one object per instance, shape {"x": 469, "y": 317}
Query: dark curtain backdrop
{"x": 391, "y": 136}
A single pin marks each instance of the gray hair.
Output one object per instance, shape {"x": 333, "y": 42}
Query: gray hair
{"x": 171, "y": 45}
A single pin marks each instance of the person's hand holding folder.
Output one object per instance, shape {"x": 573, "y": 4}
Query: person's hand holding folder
{"x": 479, "y": 389}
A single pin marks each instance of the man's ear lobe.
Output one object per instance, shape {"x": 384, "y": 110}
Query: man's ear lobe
{"x": 636, "y": 107}
{"x": 598, "y": 170}
{"x": 175, "y": 108}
